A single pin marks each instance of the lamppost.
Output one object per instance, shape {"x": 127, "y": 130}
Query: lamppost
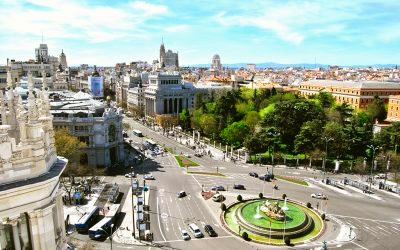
{"x": 326, "y": 139}
{"x": 133, "y": 209}
{"x": 373, "y": 148}
{"x": 274, "y": 135}
{"x": 109, "y": 234}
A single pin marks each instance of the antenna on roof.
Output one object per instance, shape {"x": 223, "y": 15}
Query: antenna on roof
{"x": 42, "y": 36}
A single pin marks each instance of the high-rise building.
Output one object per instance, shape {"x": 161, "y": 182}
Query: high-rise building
{"x": 42, "y": 53}
{"x": 216, "y": 63}
{"x": 31, "y": 207}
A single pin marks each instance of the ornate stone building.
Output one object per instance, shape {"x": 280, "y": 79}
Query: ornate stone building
{"x": 169, "y": 59}
{"x": 31, "y": 208}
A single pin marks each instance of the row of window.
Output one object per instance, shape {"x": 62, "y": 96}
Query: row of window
{"x": 380, "y": 93}
{"x": 163, "y": 82}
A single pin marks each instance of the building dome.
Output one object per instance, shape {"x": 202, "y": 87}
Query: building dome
{"x": 216, "y": 57}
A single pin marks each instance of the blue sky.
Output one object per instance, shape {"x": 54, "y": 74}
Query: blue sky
{"x": 106, "y": 32}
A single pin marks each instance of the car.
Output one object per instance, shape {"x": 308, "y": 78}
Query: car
{"x": 217, "y": 188}
{"x": 319, "y": 196}
{"x": 130, "y": 175}
{"x": 149, "y": 177}
{"x": 195, "y": 230}
{"x": 265, "y": 177}
{"x": 218, "y": 197}
{"x": 239, "y": 186}
{"x": 253, "y": 174}
{"x": 380, "y": 176}
{"x": 210, "y": 231}
{"x": 198, "y": 155}
{"x": 181, "y": 194}
{"x": 185, "y": 234}
{"x": 187, "y": 155}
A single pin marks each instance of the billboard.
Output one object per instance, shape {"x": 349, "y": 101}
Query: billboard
{"x": 96, "y": 85}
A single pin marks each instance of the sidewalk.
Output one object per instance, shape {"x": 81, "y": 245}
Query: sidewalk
{"x": 124, "y": 233}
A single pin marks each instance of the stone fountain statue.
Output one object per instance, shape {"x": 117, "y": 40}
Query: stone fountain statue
{"x": 273, "y": 210}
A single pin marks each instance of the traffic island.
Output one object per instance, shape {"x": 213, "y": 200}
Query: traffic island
{"x": 273, "y": 221}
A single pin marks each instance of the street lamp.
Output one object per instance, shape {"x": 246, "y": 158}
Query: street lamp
{"x": 373, "y": 148}
{"x": 274, "y": 135}
{"x": 326, "y": 139}
{"x": 109, "y": 234}
{"x": 133, "y": 209}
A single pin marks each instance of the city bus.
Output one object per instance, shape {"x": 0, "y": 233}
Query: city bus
{"x": 87, "y": 220}
{"x": 138, "y": 133}
{"x": 149, "y": 144}
{"x": 103, "y": 227}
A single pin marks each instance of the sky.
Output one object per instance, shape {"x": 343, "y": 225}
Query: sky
{"x": 340, "y": 32}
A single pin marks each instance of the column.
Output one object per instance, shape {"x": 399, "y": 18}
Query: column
{"x": 155, "y": 106}
{"x": 167, "y": 102}
{"x": 17, "y": 243}
{"x": 179, "y": 105}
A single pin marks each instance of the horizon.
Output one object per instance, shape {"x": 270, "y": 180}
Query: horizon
{"x": 285, "y": 32}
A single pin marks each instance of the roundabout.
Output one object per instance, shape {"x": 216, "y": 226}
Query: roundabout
{"x": 270, "y": 221}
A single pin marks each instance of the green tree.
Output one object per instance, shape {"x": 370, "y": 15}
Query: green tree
{"x": 235, "y": 133}
{"x": 325, "y": 99}
{"x": 251, "y": 119}
{"x": 338, "y": 147}
{"x": 345, "y": 112}
{"x": 377, "y": 109}
{"x": 309, "y": 137}
{"x": 68, "y": 146}
{"x": 208, "y": 124}
{"x": 184, "y": 119}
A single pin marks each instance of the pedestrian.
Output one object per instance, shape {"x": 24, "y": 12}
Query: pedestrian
{"x": 317, "y": 205}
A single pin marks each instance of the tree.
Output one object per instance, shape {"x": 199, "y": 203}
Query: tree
{"x": 338, "y": 146}
{"x": 251, "y": 119}
{"x": 67, "y": 145}
{"x": 184, "y": 119}
{"x": 208, "y": 124}
{"x": 344, "y": 111}
{"x": 235, "y": 133}
{"x": 325, "y": 99}
{"x": 308, "y": 139}
{"x": 377, "y": 109}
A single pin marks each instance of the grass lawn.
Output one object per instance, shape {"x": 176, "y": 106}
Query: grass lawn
{"x": 206, "y": 173}
{"x": 292, "y": 179}
{"x": 183, "y": 161}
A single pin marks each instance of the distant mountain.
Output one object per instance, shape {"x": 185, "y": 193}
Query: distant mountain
{"x": 300, "y": 65}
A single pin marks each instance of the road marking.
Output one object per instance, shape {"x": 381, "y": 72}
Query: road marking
{"x": 196, "y": 180}
{"x": 351, "y": 217}
{"x": 359, "y": 245}
{"x": 159, "y": 223}
{"x": 211, "y": 238}
{"x": 383, "y": 230}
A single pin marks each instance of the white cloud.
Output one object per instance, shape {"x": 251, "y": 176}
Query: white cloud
{"x": 76, "y": 20}
{"x": 177, "y": 28}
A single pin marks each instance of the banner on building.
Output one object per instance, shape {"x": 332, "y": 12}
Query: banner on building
{"x": 96, "y": 86}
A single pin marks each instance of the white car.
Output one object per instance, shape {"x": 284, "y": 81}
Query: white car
{"x": 130, "y": 175}
{"x": 149, "y": 177}
{"x": 185, "y": 235}
{"x": 319, "y": 196}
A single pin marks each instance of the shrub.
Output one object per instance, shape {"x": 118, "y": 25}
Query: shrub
{"x": 260, "y": 195}
{"x": 245, "y": 236}
{"x": 284, "y": 196}
{"x": 323, "y": 216}
{"x": 239, "y": 198}
{"x": 308, "y": 204}
{"x": 287, "y": 240}
{"x": 223, "y": 207}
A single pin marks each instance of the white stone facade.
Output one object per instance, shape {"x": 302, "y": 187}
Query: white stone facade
{"x": 31, "y": 209}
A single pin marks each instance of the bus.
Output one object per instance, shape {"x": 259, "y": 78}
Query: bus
{"x": 87, "y": 220}
{"x": 138, "y": 133}
{"x": 149, "y": 144}
{"x": 103, "y": 227}
{"x": 113, "y": 193}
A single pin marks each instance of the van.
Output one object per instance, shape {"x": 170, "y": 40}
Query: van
{"x": 195, "y": 230}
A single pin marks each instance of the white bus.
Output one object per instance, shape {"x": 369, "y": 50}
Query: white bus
{"x": 103, "y": 227}
{"x": 138, "y": 133}
{"x": 149, "y": 144}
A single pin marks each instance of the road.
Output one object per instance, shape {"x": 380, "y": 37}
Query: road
{"x": 375, "y": 218}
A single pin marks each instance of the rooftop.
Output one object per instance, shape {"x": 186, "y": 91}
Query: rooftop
{"x": 353, "y": 84}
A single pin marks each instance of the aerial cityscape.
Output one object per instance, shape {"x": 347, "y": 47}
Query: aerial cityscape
{"x": 199, "y": 125}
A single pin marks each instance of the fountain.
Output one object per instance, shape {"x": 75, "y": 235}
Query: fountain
{"x": 285, "y": 208}
{"x": 274, "y": 211}
{"x": 258, "y": 215}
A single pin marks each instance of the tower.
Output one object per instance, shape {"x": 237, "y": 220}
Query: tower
{"x": 162, "y": 54}
{"x": 62, "y": 60}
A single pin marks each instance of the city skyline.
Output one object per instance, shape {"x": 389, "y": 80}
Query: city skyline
{"x": 340, "y": 32}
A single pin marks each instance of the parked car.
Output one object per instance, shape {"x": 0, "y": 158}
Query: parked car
{"x": 181, "y": 194}
{"x": 195, "y": 230}
{"x": 187, "y": 155}
{"x": 210, "y": 231}
{"x": 185, "y": 235}
{"x": 198, "y": 155}
{"x": 218, "y": 197}
{"x": 130, "y": 175}
{"x": 217, "y": 188}
{"x": 319, "y": 196}
{"x": 239, "y": 186}
{"x": 265, "y": 177}
{"x": 149, "y": 177}
{"x": 253, "y": 174}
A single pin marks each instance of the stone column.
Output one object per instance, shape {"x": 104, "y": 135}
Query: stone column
{"x": 17, "y": 243}
{"x": 155, "y": 106}
{"x": 178, "y": 105}
{"x": 42, "y": 226}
